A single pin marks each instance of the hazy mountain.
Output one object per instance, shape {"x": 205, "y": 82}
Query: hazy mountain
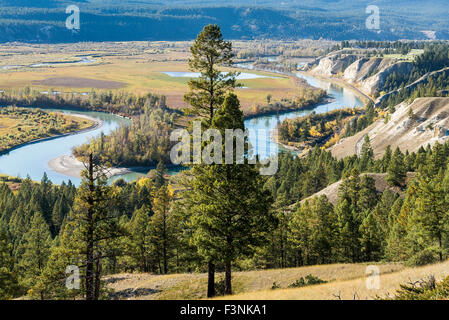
{"x": 101, "y": 20}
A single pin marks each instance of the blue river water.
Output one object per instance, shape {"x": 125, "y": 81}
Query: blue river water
{"x": 341, "y": 97}
{"x": 32, "y": 159}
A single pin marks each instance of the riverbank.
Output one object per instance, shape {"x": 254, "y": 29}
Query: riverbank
{"x": 72, "y": 167}
{"x": 275, "y": 138}
{"x": 324, "y": 100}
{"x": 363, "y": 96}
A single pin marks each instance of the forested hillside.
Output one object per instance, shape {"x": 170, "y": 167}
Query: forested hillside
{"x": 44, "y": 21}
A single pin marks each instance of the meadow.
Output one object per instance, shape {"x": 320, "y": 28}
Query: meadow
{"x": 342, "y": 282}
{"x": 406, "y": 57}
{"x": 355, "y": 288}
{"x": 136, "y": 67}
{"x": 247, "y": 284}
{"x": 20, "y": 125}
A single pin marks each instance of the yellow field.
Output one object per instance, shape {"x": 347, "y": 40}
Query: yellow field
{"x": 193, "y": 286}
{"x": 345, "y": 281}
{"x": 353, "y": 288}
{"x": 19, "y": 126}
{"x": 134, "y": 66}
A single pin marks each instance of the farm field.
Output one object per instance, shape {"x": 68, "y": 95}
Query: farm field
{"x": 136, "y": 67}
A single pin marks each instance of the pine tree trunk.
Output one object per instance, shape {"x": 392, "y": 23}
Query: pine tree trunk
{"x": 282, "y": 251}
{"x": 228, "y": 278}
{"x": 90, "y": 235}
{"x": 165, "y": 244}
{"x": 300, "y": 262}
{"x": 211, "y": 280}
{"x": 97, "y": 279}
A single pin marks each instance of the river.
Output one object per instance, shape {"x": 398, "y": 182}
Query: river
{"x": 32, "y": 159}
{"x": 341, "y": 97}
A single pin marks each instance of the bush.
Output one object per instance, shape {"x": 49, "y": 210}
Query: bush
{"x": 425, "y": 289}
{"x": 309, "y": 280}
{"x": 220, "y": 287}
{"x": 426, "y": 256}
{"x": 275, "y": 286}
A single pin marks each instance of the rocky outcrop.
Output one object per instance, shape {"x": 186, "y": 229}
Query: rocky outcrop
{"x": 377, "y": 81}
{"x": 420, "y": 123}
{"x": 368, "y": 74}
{"x": 334, "y": 64}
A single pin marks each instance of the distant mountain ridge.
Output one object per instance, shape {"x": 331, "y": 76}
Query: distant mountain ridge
{"x": 44, "y": 21}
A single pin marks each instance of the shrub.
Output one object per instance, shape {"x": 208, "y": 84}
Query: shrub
{"x": 275, "y": 286}
{"x": 309, "y": 280}
{"x": 426, "y": 289}
{"x": 220, "y": 287}
{"x": 426, "y": 256}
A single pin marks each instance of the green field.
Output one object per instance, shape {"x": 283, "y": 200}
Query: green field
{"x": 406, "y": 57}
{"x": 135, "y": 67}
{"x": 20, "y": 125}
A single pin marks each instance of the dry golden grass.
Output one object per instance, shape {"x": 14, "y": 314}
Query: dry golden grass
{"x": 347, "y": 281}
{"x": 352, "y": 289}
{"x": 193, "y": 286}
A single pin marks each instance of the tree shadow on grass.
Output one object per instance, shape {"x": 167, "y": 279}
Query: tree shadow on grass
{"x": 133, "y": 293}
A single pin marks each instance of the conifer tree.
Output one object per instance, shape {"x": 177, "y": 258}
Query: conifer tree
{"x": 324, "y": 224}
{"x": 137, "y": 243}
{"x": 60, "y": 211}
{"x": 209, "y": 51}
{"x": 431, "y": 214}
{"x": 301, "y": 234}
{"x": 367, "y": 156}
{"x": 397, "y": 222}
{"x": 159, "y": 179}
{"x": 92, "y": 226}
{"x": 9, "y": 285}
{"x": 371, "y": 238}
{"x": 385, "y": 162}
{"x": 227, "y": 224}
{"x": 36, "y": 246}
{"x": 367, "y": 194}
{"x": 53, "y": 280}
{"x": 349, "y": 231}
{"x": 277, "y": 252}
{"x": 396, "y": 171}
{"x": 163, "y": 226}
{"x": 207, "y": 93}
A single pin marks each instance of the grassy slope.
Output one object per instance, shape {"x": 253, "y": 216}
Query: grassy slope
{"x": 193, "y": 286}
{"x": 331, "y": 191}
{"x": 353, "y": 288}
